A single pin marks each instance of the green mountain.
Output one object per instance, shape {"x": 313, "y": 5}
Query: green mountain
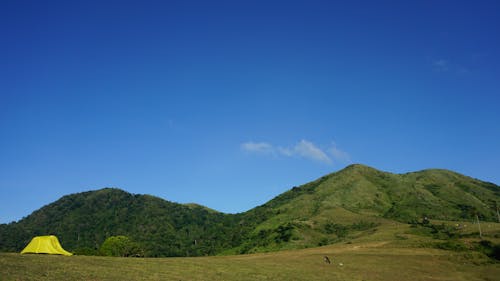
{"x": 84, "y": 220}
{"x": 349, "y": 203}
{"x": 356, "y": 199}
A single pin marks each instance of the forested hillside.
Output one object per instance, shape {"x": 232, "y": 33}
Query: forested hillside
{"x": 348, "y": 203}
{"x": 83, "y": 221}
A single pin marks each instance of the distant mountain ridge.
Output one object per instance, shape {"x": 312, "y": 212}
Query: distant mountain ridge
{"x": 352, "y": 201}
{"x": 84, "y": 220}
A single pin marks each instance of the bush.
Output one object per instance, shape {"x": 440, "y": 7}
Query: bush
{"x": 284, "y": 233}
{"x": 489, "y": 248}
{"x": 85, "y": 251}
{"x": 120, "y": 246}
{"x": 363, "y": 225}
{"x": 452, "y": 245}
{"x": 332, "y": 228}
{"x": 324, "y": 241}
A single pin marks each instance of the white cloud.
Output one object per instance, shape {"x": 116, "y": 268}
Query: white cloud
{"x": 259, "y": 147}
{"x": 284, "y": 151}
{"x": 308, "y": 150}
{"x": 303, "y": 149}
{"x": 339, "y": 155}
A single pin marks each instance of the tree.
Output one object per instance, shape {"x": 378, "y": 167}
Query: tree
{"x": 120, "y": 246}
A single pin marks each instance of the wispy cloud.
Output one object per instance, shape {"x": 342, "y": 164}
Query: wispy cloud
{"x": 303, "y": 149}
{"x": 308, "y": 150}
{"x": 258, "y": 147}
{"x": 442, "y": 65}
{"x": 339, "y": 155}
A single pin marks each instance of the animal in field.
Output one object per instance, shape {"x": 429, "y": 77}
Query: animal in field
{"x": 327, "y": 260}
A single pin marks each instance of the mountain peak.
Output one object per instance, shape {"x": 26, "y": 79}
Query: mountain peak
{"x": 358, "y": 166}
{"x": 359, "y": 169}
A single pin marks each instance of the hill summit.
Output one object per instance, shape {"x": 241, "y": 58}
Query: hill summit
{"x": 347, "y": 203}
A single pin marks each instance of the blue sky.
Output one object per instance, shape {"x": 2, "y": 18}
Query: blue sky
{"x": 230, "y": 103}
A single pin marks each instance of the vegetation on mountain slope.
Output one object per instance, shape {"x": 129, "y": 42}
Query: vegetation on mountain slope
{"x": 337, "y": 207}
{"x": 355, "y": 200}
{"x": 84, "y": 220}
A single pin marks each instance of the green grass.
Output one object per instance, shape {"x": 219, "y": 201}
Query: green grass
{"x": 380, "y": 256}
{"x": 359, "y": 262}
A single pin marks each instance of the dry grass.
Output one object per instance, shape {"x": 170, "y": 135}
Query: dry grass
{"x": 391, "y": 253}
{"x": 360, "y": 261}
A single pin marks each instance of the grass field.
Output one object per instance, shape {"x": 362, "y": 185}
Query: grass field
{"x": 356, "y": 261}
{"x": 393, "y": 252}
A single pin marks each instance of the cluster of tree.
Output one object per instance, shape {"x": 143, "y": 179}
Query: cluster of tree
{"x": 269, "y": 238}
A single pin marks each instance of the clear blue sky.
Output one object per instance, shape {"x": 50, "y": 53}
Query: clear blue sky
{"x": 230, "y": 103}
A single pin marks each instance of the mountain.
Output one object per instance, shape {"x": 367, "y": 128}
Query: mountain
{"x": 348, "y": 203}
{"x": 356, "y": 199}
{"x": 84, "y": 220}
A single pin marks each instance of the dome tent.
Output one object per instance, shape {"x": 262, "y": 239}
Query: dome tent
{"x": 45, "y": 245}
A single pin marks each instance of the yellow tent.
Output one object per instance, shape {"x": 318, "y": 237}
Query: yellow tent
{"x": 45, "y": 245}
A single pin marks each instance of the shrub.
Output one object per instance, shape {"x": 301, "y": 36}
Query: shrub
{"x": 489, "y": 248}
{"x": 363, "y": 225}
{"x": 85, "y": 251}
{"x": 284, "y": 232}
{"x": 120, "y": 246}
{"x": 337, "y": 229}
{"x": 452, "y": 245}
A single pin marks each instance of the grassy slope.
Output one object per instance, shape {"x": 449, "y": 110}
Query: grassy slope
{"x": 374, "y": 257}
{"x": 358, "y": 199}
